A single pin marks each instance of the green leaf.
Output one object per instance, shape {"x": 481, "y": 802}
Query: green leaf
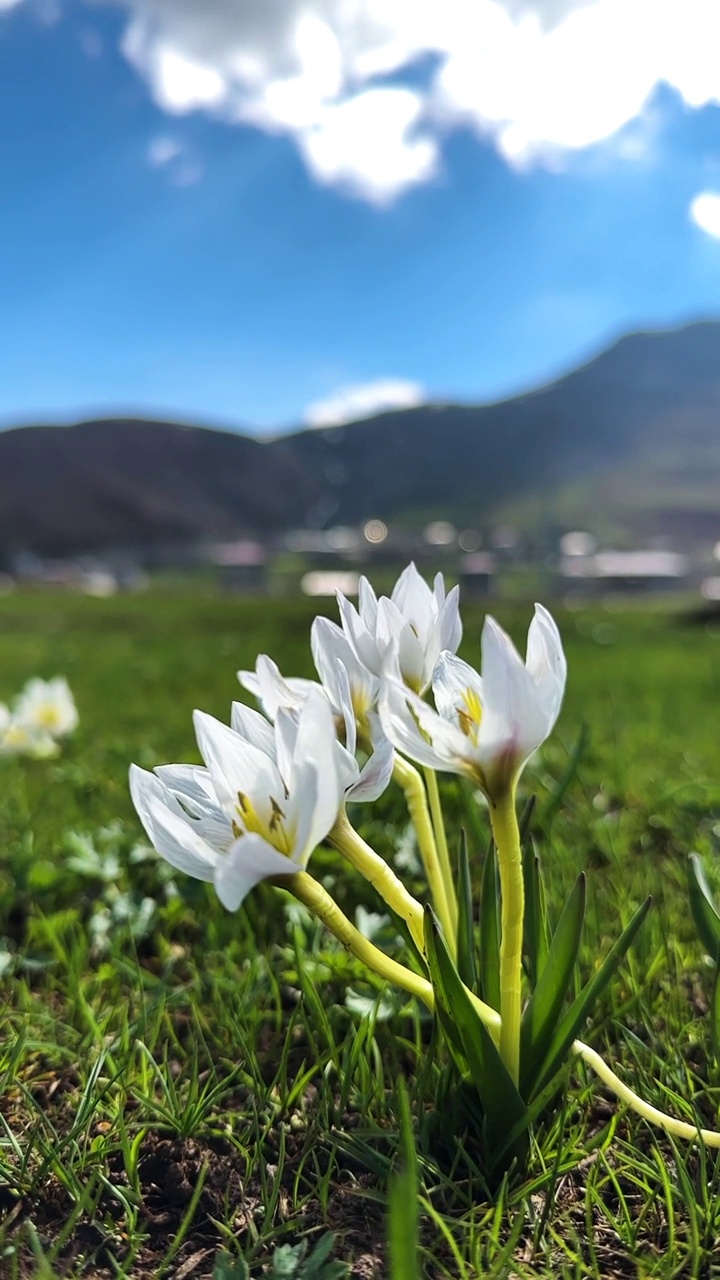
{"x": 702, "y": 906}
{"x": 403, "y": 1216}
{"x": 536, "y": 934}
{"x": 540, "y": 1019}
{"x": 490, "y": 931}
{"x": 715, "y": 1015}
{"x": 502, "y": 1105}
{"x": 582, "y": 1005}
{"x": 467, "y": 967}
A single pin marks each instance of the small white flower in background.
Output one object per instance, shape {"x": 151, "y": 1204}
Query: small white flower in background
{"x": 267, "y": 798}
{"x": 414, "y": 625}
{"x": 47, "y": 706}
{"x": 485, "y": 727}
{"x": 21, "y": 739}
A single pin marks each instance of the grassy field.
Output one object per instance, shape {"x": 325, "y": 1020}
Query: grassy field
{"x": 181, "y": 1088}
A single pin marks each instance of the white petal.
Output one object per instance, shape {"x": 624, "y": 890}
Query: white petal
{"x": 394, "y": 631}
{"x": 400, "y": 711}
{"x": 416, "y": 602}
{"x": 272, "y": 689}
{"x": 333, "y": 655}
{"x": 249, "y": 860}
{"x": 286, "y": 728}
{"x": 361, "y": 638}
{"x": 546, "y": 663}
{"x": 316, "y": 745}
{"x": 367, "y": 602}
{"x": 439, "y": 591}
{"x": 253, "y": 726}
{"x": 452, "y": 678}
{"x": 513, "y": 723}
{"x": 446, "y": 633}
{"x": 235, "y": 765}
{"x": 169, "y": 830}
{"x": 192, "y": 787}
{"x": 374, "y": 777}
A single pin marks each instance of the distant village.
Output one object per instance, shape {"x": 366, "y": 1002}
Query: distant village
{"x": 320, "y": 562}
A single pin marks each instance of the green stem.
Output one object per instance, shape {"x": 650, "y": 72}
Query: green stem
{"x": 680, "y": 1128}
{"x": 433, "y": 791}
{"x": 416, "y": 799}
{"x": 346, "y": 840}
{"x": 318, "y": 900}
{"x": 507, "y": 839}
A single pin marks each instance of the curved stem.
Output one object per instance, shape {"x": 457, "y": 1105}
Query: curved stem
{"x": 507, "y": 839}
{"x": 346, "y": 840}
{"x": 307, "y": 890}
{"x": 416, "y": 799}
{"x": 433, "y": 791}
{"x": 680, "y": 1128}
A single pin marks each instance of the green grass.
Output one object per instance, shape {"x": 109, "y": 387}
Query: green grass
{"x": 181, "y": 1089}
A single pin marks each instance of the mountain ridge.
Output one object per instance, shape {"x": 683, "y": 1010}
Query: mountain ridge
{"x": 647, "y": 407}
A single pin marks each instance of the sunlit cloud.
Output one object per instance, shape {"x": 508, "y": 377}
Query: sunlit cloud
{"x": 537, "y": 79}
{"x": 705, "y": 213}
{"x": 364, "y": 399}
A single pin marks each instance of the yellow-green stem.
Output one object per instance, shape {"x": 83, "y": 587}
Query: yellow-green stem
{"x": 680, "y": 1128}
{"x": 441, "y": 844}
{"x": 507, "y": 839}
{"x": 346, "y": 840}
{"x": 416, "y": 799}
{"x": 318, "y": 900}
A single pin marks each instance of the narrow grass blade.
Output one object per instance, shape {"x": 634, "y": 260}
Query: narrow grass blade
{"x": 540, "y": 1018}
{"x": 702, "y": 906}
{"x": 536, "y": 932}
{"x": 582, "y": 1005}
{"x": 404, "y": 1216}
{"x": 467, "y": 967}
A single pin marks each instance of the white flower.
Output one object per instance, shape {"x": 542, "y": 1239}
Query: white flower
{"x": 414, "y": 623}
{"x": 483, "y": 727}
{"x": 263, "y": 803}
{"x": 21, "y": 739}
{"x": 47, "y": 706}
{"x": 351, "y": 693}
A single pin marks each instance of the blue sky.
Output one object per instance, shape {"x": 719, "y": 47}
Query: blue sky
{"x": 248, "y": 221}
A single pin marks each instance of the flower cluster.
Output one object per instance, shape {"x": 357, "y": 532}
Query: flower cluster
{"x": 274, "y": 786}
{"x": 42, "y": 714}
{"x": 392, "y": 694}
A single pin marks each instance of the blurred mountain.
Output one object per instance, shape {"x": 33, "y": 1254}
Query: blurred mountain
{"x": 626, "y": 445}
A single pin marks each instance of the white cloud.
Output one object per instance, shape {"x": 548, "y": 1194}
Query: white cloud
{"x": 9, "y": 4}
{"x": 705, "y": 213}
{"x": 362, "y": 400}
{"x": 540, "y": 79}
{"x": 169, "y": 153}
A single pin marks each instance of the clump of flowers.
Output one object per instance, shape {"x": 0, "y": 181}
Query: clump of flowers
{"x": 393, "y": 703}
{"x": 41, "y": 715}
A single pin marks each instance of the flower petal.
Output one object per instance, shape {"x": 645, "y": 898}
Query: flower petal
{"x": 513, "y": 722}
{"x": 253, "y": 727}
{"x": 546, "y": 662}
{"x": 272, "y": 689}
{"x": 235, "y": 764}
{"x": 416, "y": 602}
{"x": 395, "y": 632}
{"x": 169, "y": 829}
{"x": 452, "y": 679}
{"x": 417, "y": 731}
{"x": 374, "y": 777}
{"x": 359, "y": 629}
{"x": 248, "y": 861}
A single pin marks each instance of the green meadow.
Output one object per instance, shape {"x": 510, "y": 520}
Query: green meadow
{"x": 188, "y": 1093}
